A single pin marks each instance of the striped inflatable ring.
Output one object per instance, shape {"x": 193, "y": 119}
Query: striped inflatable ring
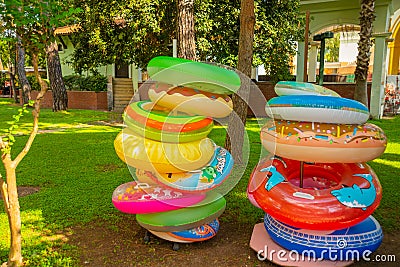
{"x": 344, "y": 244}
{"x": 315, "y": 108}
{"x": 302, "y": 88}
{"x": 160, "y": 124}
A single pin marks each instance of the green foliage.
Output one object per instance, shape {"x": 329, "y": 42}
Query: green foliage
{"x": 332, "y": 48}
{"x": 148, "y": 28}
{"x": 95, "y": 83}
{"x": 9, "y": 138}
{"x": 278, "y": 26}
{"x": 35, "y": 21}
{"x": 121, "y": 31}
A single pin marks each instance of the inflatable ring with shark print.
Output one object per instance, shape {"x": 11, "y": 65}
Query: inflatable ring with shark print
{"x": 333, "y": 195}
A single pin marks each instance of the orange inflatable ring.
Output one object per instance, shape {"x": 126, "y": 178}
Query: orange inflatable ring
{"x": 191, "y": 101}
{"x": 150, "y": 155}
{"x": 334, "y": 196}
{"x": 323, "y": 142}
{"x": 160, "y": 124}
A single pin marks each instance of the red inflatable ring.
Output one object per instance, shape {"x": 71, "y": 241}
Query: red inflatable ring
{"x": 334, "y": 196}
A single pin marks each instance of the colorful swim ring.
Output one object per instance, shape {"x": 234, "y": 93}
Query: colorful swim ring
{"x": 344, "y": 244}
{"x": 302, "y": 88}
{"x": 323, "y": 142}
{"x": 205, "y": 179}
{"x": 159, "y": 124}
{"x": 177, "y": 220}
{"x": 191, "y": 101}
{"x": 334, "y": 196}
{"x": 197, "y": 234}
{"x": 136, "y": 198}
{"x": 147, "y": 154}
{"x": 315, "y": 108}
{"x": 197, "y": 75}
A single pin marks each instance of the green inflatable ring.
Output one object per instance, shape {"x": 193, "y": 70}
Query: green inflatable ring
{"x": 160, "y": 125}
{"x": 168, "y": 137}
{"x": 177, "y": 220}
{"x": 197, "y": 75}
{"x": 141, "y": 108}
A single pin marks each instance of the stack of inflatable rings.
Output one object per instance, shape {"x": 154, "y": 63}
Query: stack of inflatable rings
{"x": 314, "y": 129}
{"x": 165, "y": 145}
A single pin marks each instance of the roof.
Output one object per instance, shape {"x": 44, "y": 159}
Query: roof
{"x": 65, "y": 30}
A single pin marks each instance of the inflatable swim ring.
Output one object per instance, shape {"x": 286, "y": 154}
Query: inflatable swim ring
{"x": 334, "y": 196}
{"x": 177, "y": 220}
{"x": 345, "y": 244}
{"x": 315, "y": 108}
{"x": 191, "y": 101}
{"x": 209, "y": 177}
{"x": 302, "y": 88}
{"x": 147, "y": 154}
{"x": 149, "y": 121}
{"x": 136, "y": 198}
{"x": 323, "y": 142}
{"x": 197, "y": 234}
{"x": 197, "y": 75}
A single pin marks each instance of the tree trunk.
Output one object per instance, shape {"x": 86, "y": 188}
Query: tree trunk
{"x": 12, "y": 83}
{"x": 367, "y": 18}
{"x": 9, "y": 187}
{"x": 236, "y": 127}
{"x": 60, "y": 98}
{"x": 22, "y": 80}
{"x": 185, "y": 29}
{"x": 11, "y": 205}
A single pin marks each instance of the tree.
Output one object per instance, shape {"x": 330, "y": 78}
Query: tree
{"x": 28, "y": 19}
{"x": 124, "y": 31}
{"x": 185, "y": 29}
{"x": 20, "y": 66}
{"x": 148, "y": 27}
{"x": 240, "y": 100}
{"x": 278, "y": 26}
{"x": 367, "y": 18}
{"x": 60, "y": 98}
{"x": 34, "y": 22}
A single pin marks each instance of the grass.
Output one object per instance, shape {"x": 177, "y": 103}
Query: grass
{"x": 75, "y": 165}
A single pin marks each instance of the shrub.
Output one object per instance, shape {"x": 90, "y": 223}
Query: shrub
{"x": 34, "y": 83}
{"x": 76, "y": 82}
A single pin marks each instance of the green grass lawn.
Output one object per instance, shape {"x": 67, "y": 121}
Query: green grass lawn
{"x": 77, "y": 170}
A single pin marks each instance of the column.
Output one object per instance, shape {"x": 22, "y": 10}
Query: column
{"x": 378, "y": 76}
{"x": 312, "y": 62}
{"x": 394, "y": 58}
{"x": 300, "y": 62}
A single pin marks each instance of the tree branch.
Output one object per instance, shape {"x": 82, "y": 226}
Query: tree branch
{"x": 35, "y": 113}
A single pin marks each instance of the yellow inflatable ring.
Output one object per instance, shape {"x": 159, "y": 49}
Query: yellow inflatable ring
{"x": 147, "y": 154}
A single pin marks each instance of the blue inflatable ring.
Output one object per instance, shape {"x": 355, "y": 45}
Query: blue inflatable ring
{"x": 345, "y": 244}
